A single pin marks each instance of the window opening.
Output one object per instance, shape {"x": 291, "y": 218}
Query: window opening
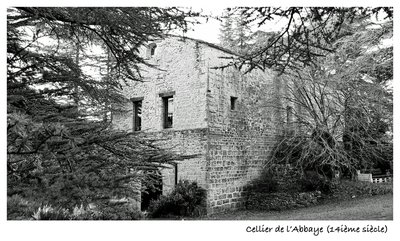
{"x": 233, "y": 103}
{"x": 152, "y": 49}
{"x": 289, "y": 114}
{"x": 176, "y": 173}
{"x": 168, "y": 111}
{"x": 137, "y": 115}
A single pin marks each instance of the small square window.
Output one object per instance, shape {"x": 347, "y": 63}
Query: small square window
{"x": 233, "y": 103}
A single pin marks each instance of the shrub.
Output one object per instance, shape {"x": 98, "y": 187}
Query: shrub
{"x": 117, "y": 211}
{"x": 186, "y": 200}
{"x": 104, "y": 212}
{"x": 264, "y": 184}
{"x": 49, "y": 213}
{"x": 314, "y": 182}
{"x": 281, "y": 200}
{"x": 19, "y": 208}
{"x": 286, "y": 178}
{"x": 277, "y": 178}
{"x": 283, "y": 187}
{"x": 347, "y": 189}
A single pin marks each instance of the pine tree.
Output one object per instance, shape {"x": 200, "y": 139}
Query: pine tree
{"x": 242, "y": 34}
{"x": 235, "y": 33}
{"x": 226, "y": 36}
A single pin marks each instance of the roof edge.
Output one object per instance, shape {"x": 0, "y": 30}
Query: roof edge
{"x": 206, "y": 43}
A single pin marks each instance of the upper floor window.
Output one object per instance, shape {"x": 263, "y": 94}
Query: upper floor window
{"x": 233, "y": 102}
{"x": 168, "y": 109}
{"x": 137, "y": 114}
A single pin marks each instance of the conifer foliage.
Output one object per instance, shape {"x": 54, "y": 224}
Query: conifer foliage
{"x": 308, "y": 33}
{"x": 235, "y": 32}
{"x": 61, "y": 148}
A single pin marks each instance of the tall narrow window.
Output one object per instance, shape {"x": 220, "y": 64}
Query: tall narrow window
{"x": 137, "y": 115}
{"x": 168, "y": 103}
{"x": 289, "y": 114}
{"x": 167, "y": 108}
{"x": 233, "y": 103}
{"x": 176, "y": 173}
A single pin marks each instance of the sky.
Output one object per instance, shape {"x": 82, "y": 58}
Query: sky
{"x": 209, "y": 29}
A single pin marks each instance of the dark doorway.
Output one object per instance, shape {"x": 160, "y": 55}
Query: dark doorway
{"x": 152, "y": 188}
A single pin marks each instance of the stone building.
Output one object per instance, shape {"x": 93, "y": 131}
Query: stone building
{"x": 227, "y": 117}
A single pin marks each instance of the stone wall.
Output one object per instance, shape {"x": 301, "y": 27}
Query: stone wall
{"x": 240, "y": 140}
{"x": 177, "y": 70}
{"x": 184, "y": 142}
{"x": 232, "y": 145}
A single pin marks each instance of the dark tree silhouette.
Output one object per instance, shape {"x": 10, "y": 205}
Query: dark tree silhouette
{"x": 60, "y": 146}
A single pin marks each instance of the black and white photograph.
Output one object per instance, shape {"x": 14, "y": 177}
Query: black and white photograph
{"x": 200, "y": 115}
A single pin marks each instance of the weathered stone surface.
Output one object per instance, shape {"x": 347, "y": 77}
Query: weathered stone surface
{"x": 232, "y": 145}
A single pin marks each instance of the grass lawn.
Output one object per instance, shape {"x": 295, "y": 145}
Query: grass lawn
{"x": 379, "y": 207}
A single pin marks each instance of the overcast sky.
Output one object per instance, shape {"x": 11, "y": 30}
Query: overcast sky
{"x": 209, "y": 30}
